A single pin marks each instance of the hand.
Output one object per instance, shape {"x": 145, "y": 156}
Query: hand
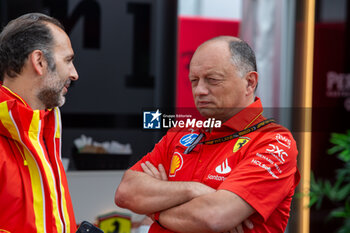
{"x": 151, "y": 170}
{"x": 160, "y": 174}
{"x": 239, "y": 228}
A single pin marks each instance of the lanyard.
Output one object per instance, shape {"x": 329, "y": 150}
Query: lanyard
{"x": 229, "y": 137}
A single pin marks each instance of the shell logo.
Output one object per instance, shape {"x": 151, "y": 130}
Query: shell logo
{"x": 176, "y": 164}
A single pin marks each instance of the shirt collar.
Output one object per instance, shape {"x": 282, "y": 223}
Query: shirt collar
{"x": 13, "y": 94}
{"x": 246, "y": 117}
{"x": 21, "y": 101}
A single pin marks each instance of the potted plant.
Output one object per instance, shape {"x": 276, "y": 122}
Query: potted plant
{"x": 339, "y": 192}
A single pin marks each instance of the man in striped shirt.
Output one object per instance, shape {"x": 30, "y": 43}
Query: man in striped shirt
{"x": 36, "y": 69}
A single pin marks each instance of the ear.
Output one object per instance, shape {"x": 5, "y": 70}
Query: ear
{"x": 252, "y": 82}
{"x": 38, "y": 61}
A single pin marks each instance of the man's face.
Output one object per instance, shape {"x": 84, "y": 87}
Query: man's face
{"x": 56, "y": 81}
{"x": 217, "y": 89}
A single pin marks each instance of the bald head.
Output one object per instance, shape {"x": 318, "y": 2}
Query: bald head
{"x": 241, "y": 55}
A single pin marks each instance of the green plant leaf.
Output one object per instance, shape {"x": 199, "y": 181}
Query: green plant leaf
{"x": 343, "y": 193}
{"x": 339, "y": 139}
{"x": 339, "y": 192}
{"x": 319, "y": 202}
{"x": 339, "y": 181}
{"x": 316, "y": 186}
{"x": 344, "y": 173}
{"x": 344, "y": 229}
{"x": 344, "y": 155}
{"x": 347, "y": 205}
{"x": 328, "y": 190}
{"x": 338, "y": 213}
{"x": 334, "y": 149}
{"x": 313, "y": 200}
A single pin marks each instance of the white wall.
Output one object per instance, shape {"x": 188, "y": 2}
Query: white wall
{"x": 92, "y": 193}
{"x": 227, "y": 9}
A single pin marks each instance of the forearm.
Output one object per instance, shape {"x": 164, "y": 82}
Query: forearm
{"x": 221, "y": 211}
{"x": 185, "y": 220}
{"x": 144, "y": 194}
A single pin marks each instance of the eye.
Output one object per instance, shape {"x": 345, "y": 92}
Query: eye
{"x": 213, "y": 81}
{"x": 193, "y": 81}
{"x": 70, "y": 59}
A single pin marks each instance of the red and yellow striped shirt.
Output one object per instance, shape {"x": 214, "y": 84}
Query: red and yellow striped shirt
{"x": 34, "y": 194}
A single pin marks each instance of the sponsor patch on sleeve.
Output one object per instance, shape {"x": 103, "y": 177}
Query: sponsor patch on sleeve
{"x": 284, "y": 141}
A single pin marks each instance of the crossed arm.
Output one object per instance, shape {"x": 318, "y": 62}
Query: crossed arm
{"x": 184, "y": 206}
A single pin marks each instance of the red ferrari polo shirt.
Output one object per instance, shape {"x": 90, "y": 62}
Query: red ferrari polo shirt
{"x": 260, "y": 167}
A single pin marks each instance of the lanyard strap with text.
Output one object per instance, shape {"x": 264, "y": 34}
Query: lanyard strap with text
{"x": 229, "y": 137}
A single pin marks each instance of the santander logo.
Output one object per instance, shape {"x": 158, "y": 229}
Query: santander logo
{"x": 223, "y": 168}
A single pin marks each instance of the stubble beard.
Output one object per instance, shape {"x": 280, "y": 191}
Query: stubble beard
{"x": 51, "y": 95}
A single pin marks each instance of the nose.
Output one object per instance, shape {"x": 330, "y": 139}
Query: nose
{"x": 74, "y": 74}
{"x": 201, "y": 88}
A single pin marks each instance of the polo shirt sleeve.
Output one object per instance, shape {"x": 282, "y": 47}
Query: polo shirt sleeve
{"x": 158, "y": 155}
{"x": 267, "y": 172}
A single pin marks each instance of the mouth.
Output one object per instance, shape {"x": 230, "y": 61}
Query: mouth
{"x": 66, "y": 86}
{"x": 203, "y": 104}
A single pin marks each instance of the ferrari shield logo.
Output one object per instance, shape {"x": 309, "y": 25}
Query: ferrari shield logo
{"x": 240, "y": 143}
{"x": 115, "y": 222}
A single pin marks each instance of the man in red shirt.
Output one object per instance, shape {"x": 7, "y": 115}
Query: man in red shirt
{"x": 218, "y": 182}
